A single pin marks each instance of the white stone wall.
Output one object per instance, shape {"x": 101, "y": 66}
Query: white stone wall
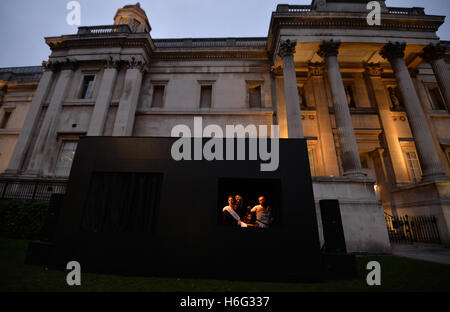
{"x": 362, "y": 214}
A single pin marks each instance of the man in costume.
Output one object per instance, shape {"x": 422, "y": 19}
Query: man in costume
{"x": 263, "y": 213}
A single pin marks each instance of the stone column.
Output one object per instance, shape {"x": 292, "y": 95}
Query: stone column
{"x": 351, "y": 162}
{"x": 390, "y": 132}
{"x": 46, "y": 138}
{"x": 293, "y": 116}
{"x": 429, "y": 159}
{"x": 326, "y": 138}
{"x": 280, "y": 102}
{"x": 31, "y": 120}
{"x": 123, "y": 125}
{"x": 435, "y": 55}
{"x": 101, "y": 109}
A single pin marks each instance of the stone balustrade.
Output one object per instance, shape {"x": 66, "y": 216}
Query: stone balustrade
{"x": 105, "y": 29}
{"x": 285, "y": 8}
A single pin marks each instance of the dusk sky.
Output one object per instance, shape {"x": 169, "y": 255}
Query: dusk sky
{"x": 25, "y": 23}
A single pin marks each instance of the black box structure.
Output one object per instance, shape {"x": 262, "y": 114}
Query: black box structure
{"x": 131, "y": 208}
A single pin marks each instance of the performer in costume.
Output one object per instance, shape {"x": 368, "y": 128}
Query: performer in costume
{"x": 263, "y": 213}
{"x": 230, "y": 216}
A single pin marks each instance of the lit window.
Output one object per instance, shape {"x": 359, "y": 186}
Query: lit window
{"x": 65, "y": 159}
{"x": 87, "y": 87}
{"x": 414, "y": 166}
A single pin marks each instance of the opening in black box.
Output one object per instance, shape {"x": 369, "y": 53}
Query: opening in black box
{"x": 251, "y": 203}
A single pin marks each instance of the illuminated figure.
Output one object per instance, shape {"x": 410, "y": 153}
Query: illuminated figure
{"x": 263, "y": 213}
{"x": 230, "y": 215}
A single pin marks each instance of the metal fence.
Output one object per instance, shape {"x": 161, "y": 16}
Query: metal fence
{"x": 415, "y": 229}
{"x": 31, "y": 189}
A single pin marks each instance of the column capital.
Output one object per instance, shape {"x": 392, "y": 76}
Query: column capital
{"x": 287, "y": 48}
{"x": 135, "y": 64}
{"x": 373, "y": 69}
{"x": 329, "y": 48}
{"x": 392, "y": 51}
{"x": 49, "y": 66}
{"x": 113, "y": 63}
{"x": 277, "y": 71}
{"x": 316, "y": 69}
{"x": 433, "y": 52}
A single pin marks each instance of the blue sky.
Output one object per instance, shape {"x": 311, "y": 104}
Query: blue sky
{"x": 25, "y": 23}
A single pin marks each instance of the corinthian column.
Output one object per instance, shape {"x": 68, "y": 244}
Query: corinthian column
{"x": 101, "y": 109}
{"x": 429, "y": 159}
{"x": 123, "y": 125}
{"x": 351, "y": 162}
{"x": 435, "y": 55}
{"x": 31, "y": 120}
{"x": 293, "y": 117}
{"x": 47, "y": 133}
{"x": 326, "y": 138}
{"x": 390, "y": 132}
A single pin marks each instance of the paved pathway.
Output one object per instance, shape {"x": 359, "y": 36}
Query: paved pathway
{"x": 427, "y": 252}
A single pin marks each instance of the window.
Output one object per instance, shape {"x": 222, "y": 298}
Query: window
{"x": 350, "y": 97}
{"x": 5, "y": 119}
{"x": 158, "y": 96}
{"x": 312, "y": 165}
{"x": 255, "y": 96}
{"x": 243, "y": 199}
{"x": 414, "y": 166}
{"x": 301, "y": 96}
{"x": 87, "y": 87}
{"x": 437, "y": 101}
{"x": 65, "y": 158}
{"x": 206, "y": 96}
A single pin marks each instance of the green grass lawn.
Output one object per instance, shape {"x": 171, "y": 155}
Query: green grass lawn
{"x": 397, "y": 274}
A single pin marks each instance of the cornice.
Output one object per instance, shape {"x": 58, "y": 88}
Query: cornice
{"x": 345, "y": 20}
{"x": 111, "y": 40}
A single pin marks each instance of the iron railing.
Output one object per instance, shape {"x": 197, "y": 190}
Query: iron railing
{"x": 415, "y": 229}
{"x": 31, "y": 189}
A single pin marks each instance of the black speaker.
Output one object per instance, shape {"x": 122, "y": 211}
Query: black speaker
{"x": 333, "y": 231}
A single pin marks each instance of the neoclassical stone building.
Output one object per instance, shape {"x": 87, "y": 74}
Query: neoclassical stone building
{"x": 372, "y": 101}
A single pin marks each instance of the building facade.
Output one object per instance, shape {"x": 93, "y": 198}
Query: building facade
{"x": 372, "y": 101}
